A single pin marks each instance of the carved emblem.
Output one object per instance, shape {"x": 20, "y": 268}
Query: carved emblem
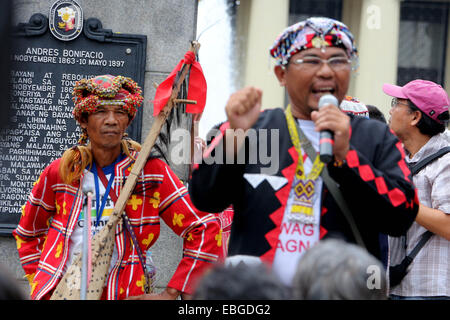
{"x": 66, "y": 20}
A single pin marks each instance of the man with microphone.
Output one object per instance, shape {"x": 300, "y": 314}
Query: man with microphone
{"x": 282, "y": 212}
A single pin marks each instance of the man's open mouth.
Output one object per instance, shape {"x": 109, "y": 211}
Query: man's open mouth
{"x": 323, "y": 90}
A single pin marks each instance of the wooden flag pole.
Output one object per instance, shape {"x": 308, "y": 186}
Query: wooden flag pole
{"x": 151, "y": 137}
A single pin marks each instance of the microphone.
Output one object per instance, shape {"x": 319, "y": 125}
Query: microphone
{"x": 326, "y": 141}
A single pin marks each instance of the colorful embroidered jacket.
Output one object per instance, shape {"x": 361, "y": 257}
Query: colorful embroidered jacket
{"x": 375, "y": 183}
{"x": 49, "y": 216}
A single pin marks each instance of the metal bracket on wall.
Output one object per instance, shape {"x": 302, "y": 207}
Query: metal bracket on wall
{"x": 93, "y": 29}
{"x": 37, "y": 25}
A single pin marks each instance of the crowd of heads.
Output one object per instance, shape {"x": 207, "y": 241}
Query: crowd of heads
{"x": 331, "y": 270}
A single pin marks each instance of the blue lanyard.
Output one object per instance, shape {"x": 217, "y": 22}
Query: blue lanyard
{"x": 100, "y": 207}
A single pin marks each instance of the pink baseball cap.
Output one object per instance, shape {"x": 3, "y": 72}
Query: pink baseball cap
{"x": 428, "y": 96}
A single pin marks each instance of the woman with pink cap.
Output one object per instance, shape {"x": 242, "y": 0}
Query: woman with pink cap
{"x": 420, "y": 260}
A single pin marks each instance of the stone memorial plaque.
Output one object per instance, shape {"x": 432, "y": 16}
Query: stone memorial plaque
{"x": 44, "y": 70}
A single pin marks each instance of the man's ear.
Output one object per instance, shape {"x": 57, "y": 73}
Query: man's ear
{"x": 83, "y": 121}
{"x": 83, "y": 124}
{"x": 280, "y": 72}
{"x": 417, "y": 116}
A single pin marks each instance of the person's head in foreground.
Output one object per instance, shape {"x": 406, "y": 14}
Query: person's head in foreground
{"x": 337, "y": 270}
{"x": 240, "y": 281}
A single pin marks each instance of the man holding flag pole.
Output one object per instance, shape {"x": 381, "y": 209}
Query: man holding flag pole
{"x": 130, "y": 194}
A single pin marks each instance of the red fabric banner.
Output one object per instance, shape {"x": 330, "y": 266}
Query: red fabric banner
{"x": 196, "y": 90}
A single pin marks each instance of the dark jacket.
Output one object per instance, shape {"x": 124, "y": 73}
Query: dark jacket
{"x": 375, "y": 182}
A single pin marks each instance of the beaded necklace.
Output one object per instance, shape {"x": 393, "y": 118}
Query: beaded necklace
{"x": 302, "y": 209}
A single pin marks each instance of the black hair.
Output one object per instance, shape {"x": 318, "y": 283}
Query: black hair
{"x": 240, "y": 282}
{"x": 9, "y": 287}
{"x": 375, "y": 113}
{"x": 428, "y": 126}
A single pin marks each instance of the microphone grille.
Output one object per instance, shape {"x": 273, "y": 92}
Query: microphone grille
{"x": 327, "y": 99}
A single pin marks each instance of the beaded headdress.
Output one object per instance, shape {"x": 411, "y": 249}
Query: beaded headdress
{"x": 316, "y": 32}
{"x": 354, "y": 106}
{"x": 88, "y": 94}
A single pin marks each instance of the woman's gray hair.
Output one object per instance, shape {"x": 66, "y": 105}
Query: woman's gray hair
{"x": 336, "y": 270}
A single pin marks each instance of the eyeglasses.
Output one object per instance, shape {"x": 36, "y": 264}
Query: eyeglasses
{"x": 395, "y": 102}
{"x": 335, "y": 63}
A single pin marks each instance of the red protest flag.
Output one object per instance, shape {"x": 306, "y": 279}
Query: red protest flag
{"x": 196, "y": 90}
